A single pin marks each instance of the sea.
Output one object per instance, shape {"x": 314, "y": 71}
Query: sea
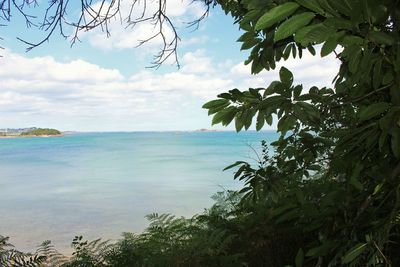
{"x": 102, "y": 184}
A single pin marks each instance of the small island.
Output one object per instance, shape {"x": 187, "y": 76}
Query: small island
{"x": 29, "y": 132}
{"x": 203, "y": 130}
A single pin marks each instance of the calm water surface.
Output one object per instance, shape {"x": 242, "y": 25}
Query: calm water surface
{"x": 102, "y": 184}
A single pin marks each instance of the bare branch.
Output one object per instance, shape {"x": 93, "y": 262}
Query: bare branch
{"x": 99, "y": 15}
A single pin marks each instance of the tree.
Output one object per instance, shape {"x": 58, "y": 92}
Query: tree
{"x": 335, "y": 173}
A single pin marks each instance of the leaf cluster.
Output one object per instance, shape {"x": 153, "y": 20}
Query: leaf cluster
{"x": 336, "y": 168}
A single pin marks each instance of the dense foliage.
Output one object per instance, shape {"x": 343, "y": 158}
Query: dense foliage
{"x": 334, "y": 179}
{"x": 41, "y": 132}
{"x": 330, "y": 193}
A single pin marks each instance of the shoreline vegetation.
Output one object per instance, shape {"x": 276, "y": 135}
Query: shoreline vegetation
{"x": 29, "y": 132}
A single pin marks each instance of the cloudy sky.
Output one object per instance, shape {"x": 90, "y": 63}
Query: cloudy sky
{"x": 102, "y": 84}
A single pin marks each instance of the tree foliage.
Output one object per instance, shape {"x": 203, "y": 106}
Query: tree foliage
{"x": 336, "y": 165}
{"x": 41, "y": 132}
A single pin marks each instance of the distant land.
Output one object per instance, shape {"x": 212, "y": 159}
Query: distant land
{"x": 29, "y": 132}
{"x": 206, "y": 130}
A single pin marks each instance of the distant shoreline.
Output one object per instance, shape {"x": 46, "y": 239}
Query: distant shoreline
{"x": 66, "y": 133}
{"x": 30, "y": 136}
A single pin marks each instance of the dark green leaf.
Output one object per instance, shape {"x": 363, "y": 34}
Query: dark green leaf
{"x": 287, "y": 51}
{"x": 338, "y": 23}
{"x": 329, "y": 46}
{"x": 377, "y": 74}
{"x": 316, "y": 33}
{"x": 260, "y": 120}
{"x": 354, "y": 252}
{"x": 234, "y": 165}
{"x": 311, "y": 5}
{"x": 250, "y": 43}
{"x": 268, "y": 119}
{"x": 299, "y": 258}
{"x": 286, "y": 76}
{"x": 395, "y": 141}
{"x": 371, "y": 111}
{"x": 354, "y": 181}
{"x": 238, "y": 122}
{"x": 311, "y": 49}
{"x": 297, "y": 91}
{"x": 215, "y": 103}
{"x": 381, "y": 38}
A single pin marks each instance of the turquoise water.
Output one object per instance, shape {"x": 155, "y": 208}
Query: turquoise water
{"x": 102, "y": 184}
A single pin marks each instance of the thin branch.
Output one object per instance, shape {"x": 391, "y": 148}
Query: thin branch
{"x": 98, "y": 15}
{"x": 358, "y": 99}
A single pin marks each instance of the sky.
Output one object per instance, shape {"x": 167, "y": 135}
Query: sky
{"x": 103, "y": 84}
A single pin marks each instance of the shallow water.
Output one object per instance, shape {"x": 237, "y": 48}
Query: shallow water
{"x": 103, "y": 184}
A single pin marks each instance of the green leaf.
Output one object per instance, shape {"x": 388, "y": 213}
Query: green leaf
{"x": 275, "y": 15}
{"x": 229, "y": 115}
{"x": 354, "y": 252}
{"x": 387, "y": 78}
{"x": 395, "y": 95}
{"x": 247, "y": 36}
{"x": 377, "y": 189}
{"x": 338, "y": 23}
{"x": 234, "y": 165}
{"x": 395, "y": 142}
{"x": 260, "y": 120}
{"x": 225, "y": 116}
{"x": 294, "y": 50}
{"x": 354, "y": 61}
{"x": 311, "y": 49}
{"x": 354, "y": 181}
{"x": 288, "y": 216}
{"x": 289, "y": 27}
{"x": 238, "y": 122}
{"x": 215, "y": 103}
{"x": 377, "y": 74}
{"x": 218, "y": 117}
{"x": 250, "y": 43}
{"x": 329, "y": 46}
{"x": 287, "y": 51}
{"x": 377, "y": 11}
{"x": 271, "y": 89}
{"x": 299, "y": 258}
{"x": 316, "y": 33}
{"x": 297, "y": 91}
{"x": 217, "y": 108}
{"x": 340, "y": 6}
{"x": 371, "y": 111}
{"x": 320, "y": 250}
{"x": 269, "y": 119}
{"x": 286, "y": 123}
{"x": 286, "y": 76}
{"x": 329, "y": 10}
{"x": 309, "y": 109}
{"x": 248, "y": 18}
{"x": 311, "y": 5}
{"x": 381, "y": 38}
{"x": 350, "y": 40}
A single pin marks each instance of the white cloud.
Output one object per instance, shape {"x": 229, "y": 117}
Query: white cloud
{"x": 122, "y": 37}
{"x": 197, "y": 62}
{"x": 309, "y": 70}
{"x": 78, "y": 95}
